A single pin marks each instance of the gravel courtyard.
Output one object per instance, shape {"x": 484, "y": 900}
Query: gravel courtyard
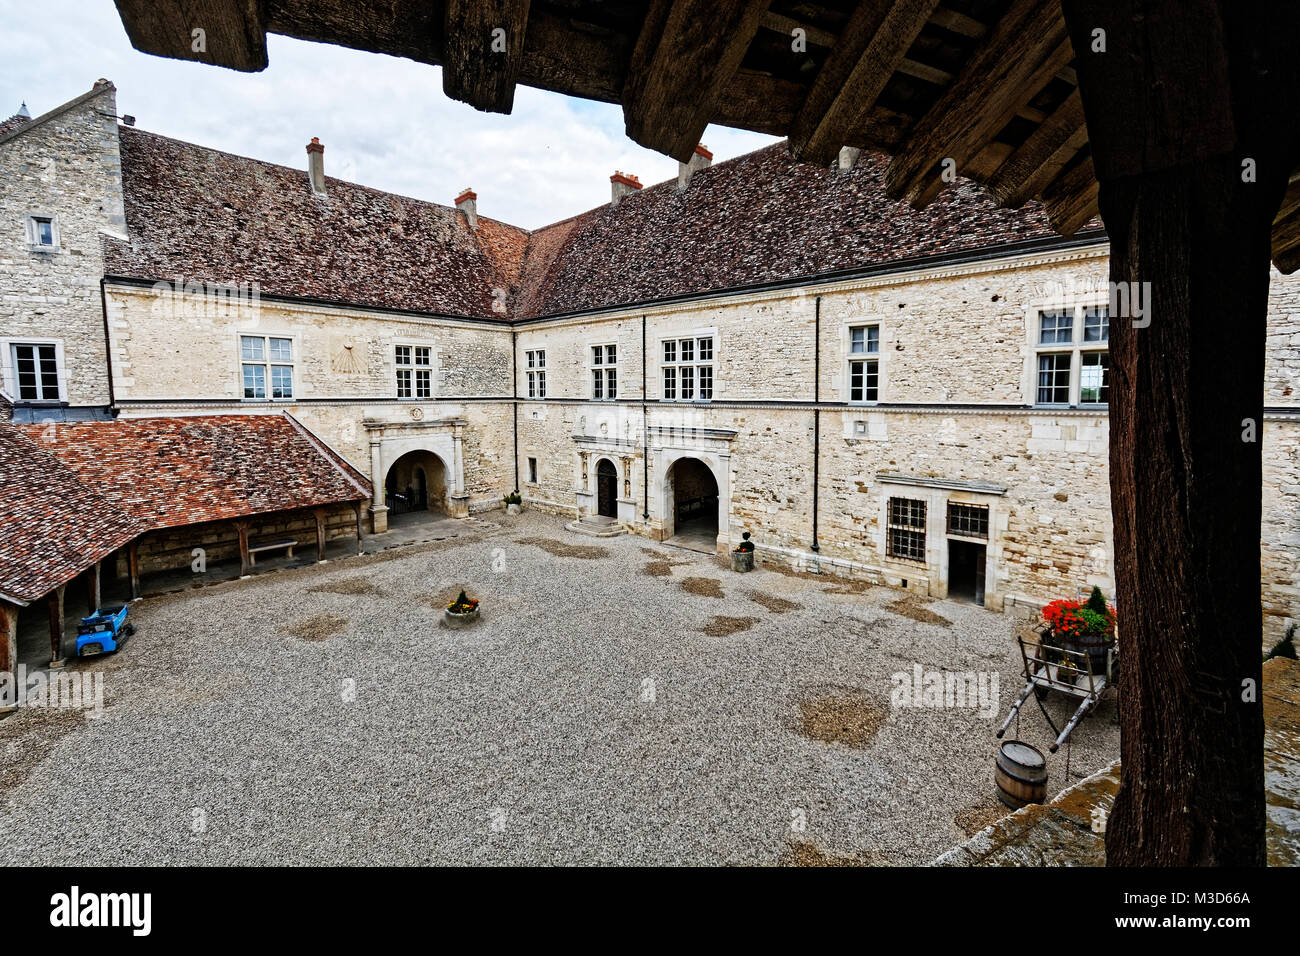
{"x": 618, "y": 702}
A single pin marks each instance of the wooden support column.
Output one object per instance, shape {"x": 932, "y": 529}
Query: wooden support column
{"x": 320, "y": 533}
{"x": 133, "y": 567}
{"x": 1184, "y": 93}
{"x": 483, "y": 49}
{"x": 93, "y": 587}
{"x": 8, "y": 655}
{"x": 241, "y": 528}
{"x": 54, "y": 602}
{"x": 356, "y": 509}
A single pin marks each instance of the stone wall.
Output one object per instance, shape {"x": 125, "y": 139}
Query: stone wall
{"x": 67, "y": 168}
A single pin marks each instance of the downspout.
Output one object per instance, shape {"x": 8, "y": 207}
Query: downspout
{"x": 108, "y": 347}
{"x": 514, "y": 391}
{"x": 817, "y": 414}
{"x": 645, "y": 436}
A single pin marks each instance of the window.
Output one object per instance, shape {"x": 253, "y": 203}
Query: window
{"x": 604, "y": 372}
{"x": 36, "y": 372}
{"x": 905, "y": 533}
{"x": 1081, "y": 374}
{"x": 968, "y": 521}
{"x": 42, "y": 233}
{"x": 266, "y": 359}
{"x": 535, "y": 359}
{"x": 1054, "y": 378}
{"x": 532, "y": 471}
{"x": 1056, "y": 328}
{"x": 688, "y": 369}
{"x": 414, "y": 371}
{"x": 864, "y": 373}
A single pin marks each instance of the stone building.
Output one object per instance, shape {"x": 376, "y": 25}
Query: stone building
{"x": 915, "y": 398}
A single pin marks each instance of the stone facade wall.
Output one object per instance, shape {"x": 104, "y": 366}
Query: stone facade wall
{"x": 67, "y": 168}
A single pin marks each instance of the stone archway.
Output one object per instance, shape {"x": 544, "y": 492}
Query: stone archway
{"x": 691, "y": 504}
{"x": 416, "y": 482}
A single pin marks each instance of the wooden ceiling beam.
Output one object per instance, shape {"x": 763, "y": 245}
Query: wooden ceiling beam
{"x": 229, "y": 33}
{"x": 786, "y": 26}
{"x": 483, "y": 51}
{"x": 686, "y": 53}
{"x": 1040, "y": 158}
{"x": 1025, "y": 50}
{"x": 1071, "y": 198}
{"x": 867, "y": 53}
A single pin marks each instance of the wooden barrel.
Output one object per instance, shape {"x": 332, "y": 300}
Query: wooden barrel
{"x": 1021, "y": 774}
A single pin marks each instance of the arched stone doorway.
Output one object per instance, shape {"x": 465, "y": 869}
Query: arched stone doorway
{"x": 416, "y": 482}
{"x": 606, "y": 489}
{"x": 692, "y": 494}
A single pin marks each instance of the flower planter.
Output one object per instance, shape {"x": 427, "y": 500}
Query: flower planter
{"x": 513, "y": 509}
{"x": 1095, "y": 646}
{"x": 458, "y": 618}
{"x": 742, "y": 561}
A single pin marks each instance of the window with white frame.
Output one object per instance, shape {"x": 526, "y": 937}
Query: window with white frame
{"x": 36, "y": 371}
{"x": 864, "y": 363}
{"x": 905, "y": 530}
{"x": 1072, "y": 357}
{"x": 414, "y": 371}
{"x": 535, "y": 361}
{"x": 604, "y": 372}
{"x": 687, "y": 369}
{"x": 266, "y": 366}
{"x": 42, "y": 233}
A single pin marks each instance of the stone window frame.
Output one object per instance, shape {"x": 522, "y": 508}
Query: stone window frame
{"x": 9, "y": 370}
{"x": 535, "y": 375}
{"x": 662, "y": 364}
{"x": 534, "y": 471}
{"x": 413, "y": 367}
{"x": 1075, "y": 348}
{"x": 603, "y": 367}
{"x": 33, "y": 245}
{"x": 878, "y": 356}
{"x": 267, "y": 363}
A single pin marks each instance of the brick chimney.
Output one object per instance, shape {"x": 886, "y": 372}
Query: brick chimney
{"x": 467, "y": 202}
{"x": 620, "y": 184}
{"x": 316, "y": 166}
{"x": 700, "y": 159}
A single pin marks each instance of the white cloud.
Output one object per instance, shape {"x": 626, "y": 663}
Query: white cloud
{"x": 384, "y": 121}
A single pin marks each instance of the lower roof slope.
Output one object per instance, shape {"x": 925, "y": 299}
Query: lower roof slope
{"x": 168, "y": 472}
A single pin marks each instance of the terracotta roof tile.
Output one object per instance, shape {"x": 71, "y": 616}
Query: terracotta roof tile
{"x": 52, "y": 525}
{"x": 168, "y": 472}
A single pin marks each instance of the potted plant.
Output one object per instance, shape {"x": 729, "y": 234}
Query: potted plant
{"x": 513, "y": 502}
{"x": 461, "y": 612}
{"x": 742, "y": 555}
{"x": 1087, "y": 626}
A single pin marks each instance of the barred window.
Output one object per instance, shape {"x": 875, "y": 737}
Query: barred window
{"x": 905, "y": 533}
{"x": 968, "y": 521}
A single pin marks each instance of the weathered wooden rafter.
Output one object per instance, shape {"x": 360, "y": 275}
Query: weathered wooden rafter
{"x": 921, "y": 80}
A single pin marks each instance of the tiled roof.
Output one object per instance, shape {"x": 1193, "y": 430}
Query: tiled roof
{"x": 204, "y": 215}
{"x": 756, "y": 219}
{"x": 168, "y": 472}
{"x": 52, "y": 525}
{"x": 13, "y": 122}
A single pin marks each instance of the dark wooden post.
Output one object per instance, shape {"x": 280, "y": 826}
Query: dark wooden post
{"x": 8, "y": 654}
{"x": 55, "y": 604}
{"x": 1190, "y": 109}
{"x": 320, "y": 533}
{"x": 241, "y": 528}
{"x": 133, "y": 567}
{"x": 356, "y": 509}
{"x": 93, "y": 587}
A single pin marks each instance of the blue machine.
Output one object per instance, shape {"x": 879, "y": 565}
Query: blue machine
{"x": 104, "y": 631}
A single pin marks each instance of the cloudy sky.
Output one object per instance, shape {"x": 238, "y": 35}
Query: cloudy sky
{"x": 384, "y": 122}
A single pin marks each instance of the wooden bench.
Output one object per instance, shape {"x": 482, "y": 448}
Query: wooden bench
{"x": 255, "y": 549}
